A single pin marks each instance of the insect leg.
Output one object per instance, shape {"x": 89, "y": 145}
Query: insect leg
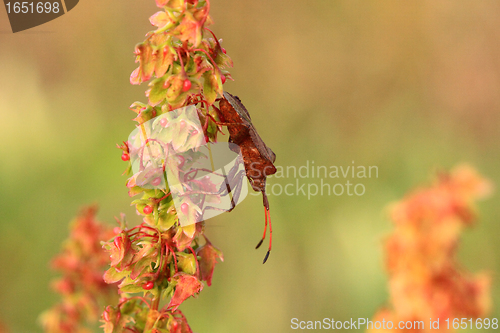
{"x": 218, "y": 123}
{"x": 224, "y": 191}
{"x": 236, "y": 189}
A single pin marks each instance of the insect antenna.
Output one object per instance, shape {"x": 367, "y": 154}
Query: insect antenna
{"x": 268, "y": 215}
{"x": 265, "y": 230}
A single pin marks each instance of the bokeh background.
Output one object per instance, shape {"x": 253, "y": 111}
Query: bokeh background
{"x": 409, "y": 87}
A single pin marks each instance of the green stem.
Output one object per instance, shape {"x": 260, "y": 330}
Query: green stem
{"x": 153, "y": 313}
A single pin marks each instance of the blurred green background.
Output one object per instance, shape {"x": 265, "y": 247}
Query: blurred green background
{"x": 409, "y": 87}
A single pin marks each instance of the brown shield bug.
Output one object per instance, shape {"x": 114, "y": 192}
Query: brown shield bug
{"x": 257, "y": 157}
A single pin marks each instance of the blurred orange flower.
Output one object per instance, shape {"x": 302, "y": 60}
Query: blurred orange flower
{"x": 425, "y": 279}
{"x": 83, "y": 291}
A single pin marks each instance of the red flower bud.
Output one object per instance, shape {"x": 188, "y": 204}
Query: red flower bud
{"x": 163, "y": 122}
{"x": 185, "y": 208}
{"x": 156, "y": 181}
{"x": 148, "y": 285}
{"x": 147, "y": 209}
{"x": 118, "y": 242}
{"x": 105, "y": 314}
{"x": 187, "y": 85}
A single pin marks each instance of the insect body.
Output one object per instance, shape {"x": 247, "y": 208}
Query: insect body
{"x": 257, "y": 157}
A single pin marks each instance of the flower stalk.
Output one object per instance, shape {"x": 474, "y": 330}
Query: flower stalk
{"x": 160, "y": 259}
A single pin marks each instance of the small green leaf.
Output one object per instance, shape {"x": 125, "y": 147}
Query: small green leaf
{"x": 174, "y": 89}
{"x": 140, "y": 202}
{"x": 166, "y": 220}
{"x": 145, "y": 53}
{"x": 139, "y": 267}
{"x": 168, "y": 292}
{"x": 209, "y": 89}
{"x": 157, "y": 93}
{"x": 137, "y": 107}
{"x": 112, "y": 275}
{"x": 223, "y": 61}
{"x": 186, "y": 263}
{"x": 131, "y": 288}
{"x": 135, "y": 190}
{"x": 159, "y": 19}
{"x": 164, "y": 59}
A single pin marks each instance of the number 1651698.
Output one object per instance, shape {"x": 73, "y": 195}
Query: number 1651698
{"x": 32, "y": 7}
{"x": 479, "y": 323}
